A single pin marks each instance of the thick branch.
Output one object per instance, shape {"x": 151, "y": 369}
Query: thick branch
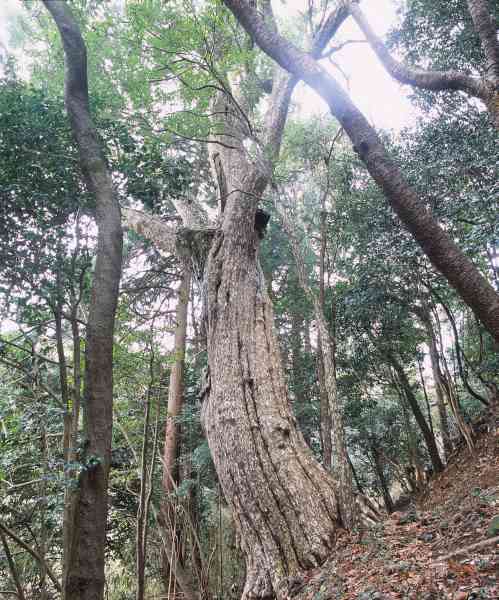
{"x": 487, "y": 31}
{"x": 429, "y": 80}
{"x": 435, "y": 242}
{"x": 329, "y": 29}
{"x": 153, "y": 228}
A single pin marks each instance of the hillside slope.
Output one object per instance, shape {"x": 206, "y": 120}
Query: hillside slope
{"x": 444, "y": 547}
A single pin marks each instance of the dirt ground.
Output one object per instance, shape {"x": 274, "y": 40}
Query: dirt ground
{"x": 445, "y": 546}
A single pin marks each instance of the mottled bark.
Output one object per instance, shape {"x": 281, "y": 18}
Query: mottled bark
{"x": 282, "y": 500}
{"x": 443, "y": 253}
{"x": 85, "y": 569}
{"x": 486, "y": 29}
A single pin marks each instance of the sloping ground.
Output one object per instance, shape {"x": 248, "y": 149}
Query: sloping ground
{"x": 446, "y": 547}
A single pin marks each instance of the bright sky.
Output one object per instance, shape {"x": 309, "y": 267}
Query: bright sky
{"x": 382, "y": 100}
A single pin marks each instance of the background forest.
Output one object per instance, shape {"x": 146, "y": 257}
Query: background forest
{"x": 386, "y": 366}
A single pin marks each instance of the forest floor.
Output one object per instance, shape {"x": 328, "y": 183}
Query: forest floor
{"x": 444, "y": 546}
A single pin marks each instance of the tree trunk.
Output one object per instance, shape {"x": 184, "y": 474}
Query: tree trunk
{"x": 325, "y": 414}
{"x": 418, "y": 415}
{"x": 486, "y": 29}
{"x": 171, "y": 447}
{"x": 450, "y": 392}
{"x": 141, "y": 518}
{"x": 176, "y": 388}
{"x": 340, "y": 466}
{"x": 438, "y": 379}
{"x": 85, "y": 569}
{"x": 440, "y": 248}
{"x": 378, "y": 467}
{"x": 282, "y": 500}
{"x": 326, "y": 425}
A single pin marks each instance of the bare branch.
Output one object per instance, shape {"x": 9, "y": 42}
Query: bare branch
{"x": 339, "y": 47}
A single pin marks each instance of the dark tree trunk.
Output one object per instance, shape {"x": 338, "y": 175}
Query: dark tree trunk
{"x": 443, "y": 253}
{"x": 85, "y": 569}
{"x": 418, "y": 415}
{"x": 378, "y": 466}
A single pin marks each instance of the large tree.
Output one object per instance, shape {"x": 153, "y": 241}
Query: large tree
{"x": 285, "y": 506}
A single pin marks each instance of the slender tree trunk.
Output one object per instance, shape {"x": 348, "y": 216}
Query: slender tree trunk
{"x": 171, "y": 447}
{"x": 326, "y": 425}
{"x": 425, "y": 393}
{"x": 176, "y": 388}
{"x": 450, "y": 392}
{"x": 378, "y": 466}
{"x": 340, "y": 467}
{"x": 438, "y": 380}
{"x": 141, "y": 521}
{"x": 43, "y": 538}
{"x": 325, "y": 414}
{"x": 460, "y": 356}
{"x": 418, "y": 415}
{"x": 85, "y": 569}
{"x": 414, "y": 472}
